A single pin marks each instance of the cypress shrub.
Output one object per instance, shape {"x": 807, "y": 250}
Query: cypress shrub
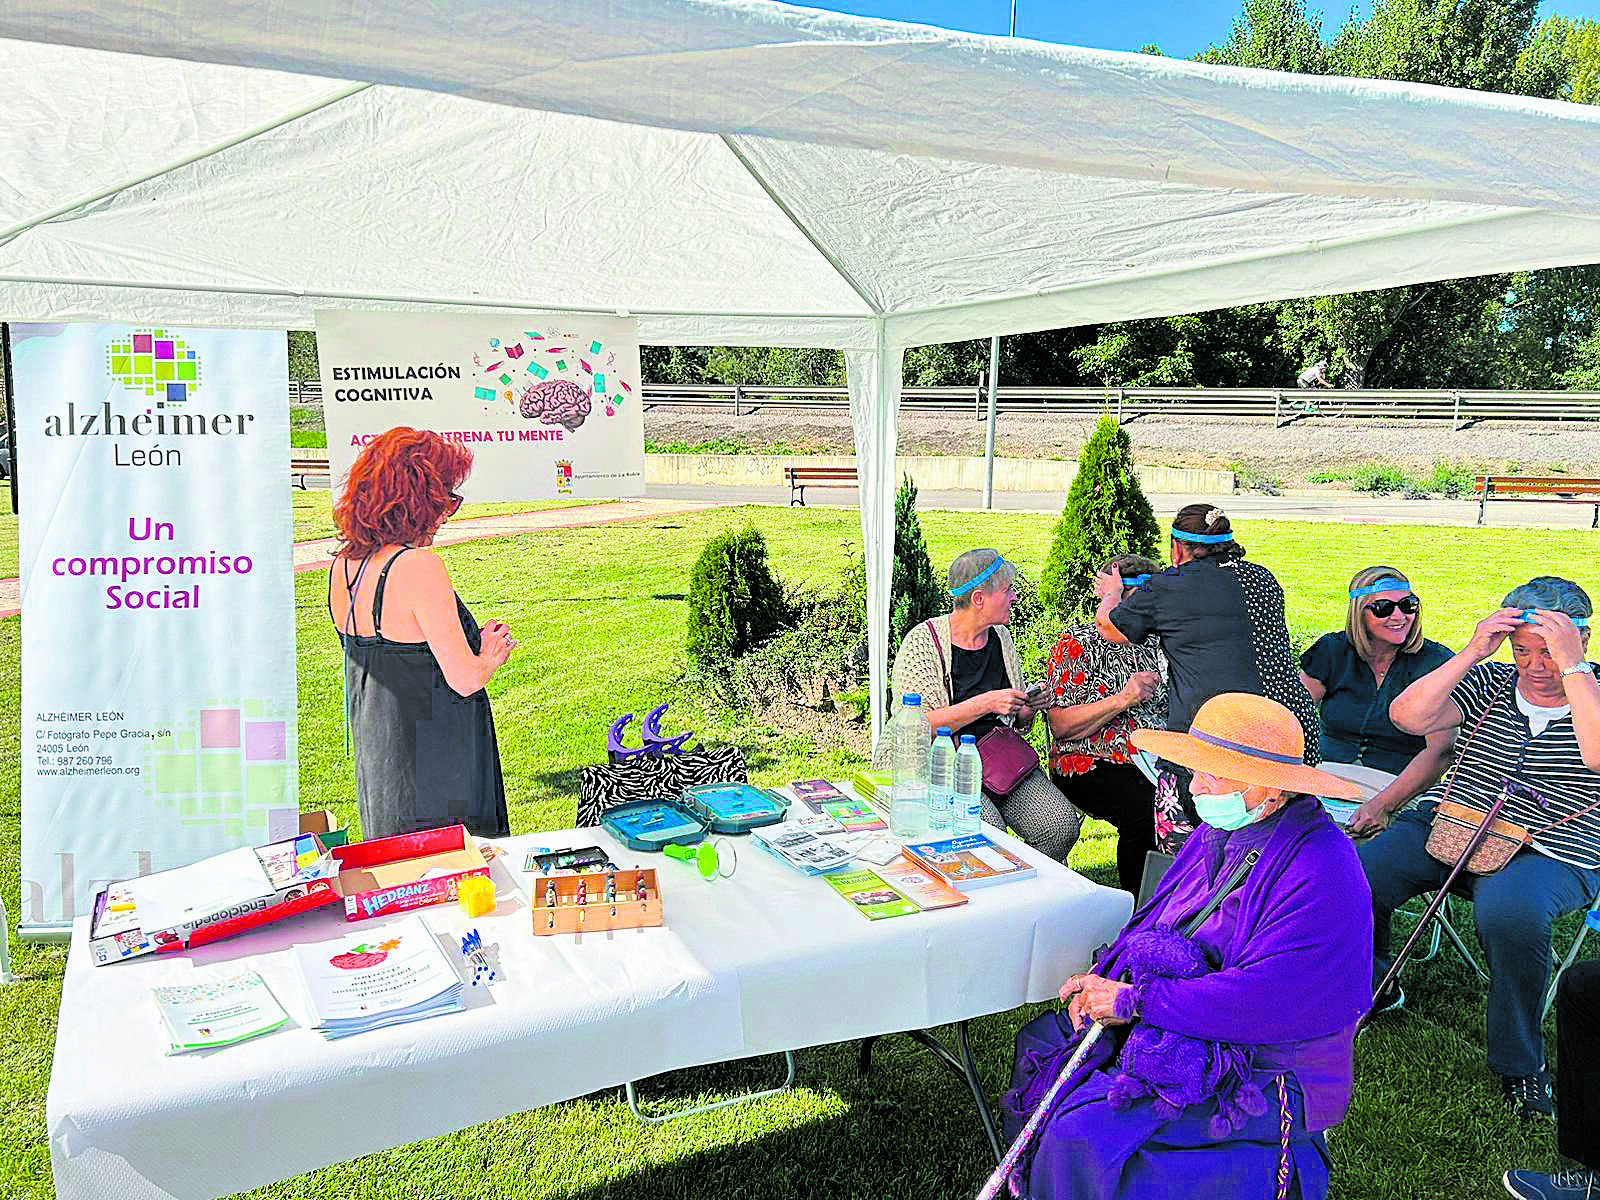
{"x": 734, "y": 602}
{"x": 915, "y": 591}
{"x": 1106, "y": 514}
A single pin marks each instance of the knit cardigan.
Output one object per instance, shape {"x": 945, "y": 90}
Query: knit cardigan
{"x": 918, "y": 669}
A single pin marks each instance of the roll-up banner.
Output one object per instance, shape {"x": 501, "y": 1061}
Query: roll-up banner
{"x": 158, "y": 664}
{"x": 549, "y": 404}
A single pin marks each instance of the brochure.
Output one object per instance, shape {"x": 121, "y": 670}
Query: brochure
{"x": 873, "y": 898}
{"x": 817, "y": 792}
{"x": 872, "y": 786}
{"x": 204, "y": 1015}
{"x": 853, "y": 816}
{"x": 970, "y": 861}
{"x": 387, "y": 975}
{"x": 919, "y": 885}
{"x": 801, "y": 849}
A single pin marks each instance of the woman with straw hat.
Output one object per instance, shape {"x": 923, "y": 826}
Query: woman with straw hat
{"x": 1231, "y": 1047}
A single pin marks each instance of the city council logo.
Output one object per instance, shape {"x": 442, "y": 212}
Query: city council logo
{"x": 155, "y": 362}
{"x": 563, "y": 476}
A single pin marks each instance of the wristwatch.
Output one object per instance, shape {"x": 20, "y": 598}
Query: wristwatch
{"x": 1583, "y": 668}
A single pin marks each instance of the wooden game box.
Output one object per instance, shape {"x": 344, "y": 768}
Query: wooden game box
{"x": 597, "y": 914}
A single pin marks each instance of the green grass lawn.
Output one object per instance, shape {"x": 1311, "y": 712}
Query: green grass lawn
{"x": 313, "y": 512}
{"x": 600, "y": 624}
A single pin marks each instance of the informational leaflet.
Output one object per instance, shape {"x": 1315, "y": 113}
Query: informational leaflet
{"x": 218, "y": 1013}
{"x": 394, "y": 973}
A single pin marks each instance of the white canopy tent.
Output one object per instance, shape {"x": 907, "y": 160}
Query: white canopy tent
{"x": 731, "y": 172}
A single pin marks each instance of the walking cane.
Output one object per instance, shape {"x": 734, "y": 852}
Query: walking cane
{"x": 1439, "y": 897}
{"x": 997, "y": 1181}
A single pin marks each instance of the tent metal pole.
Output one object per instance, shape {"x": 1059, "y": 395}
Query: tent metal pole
{"x": 82, "y": 202}
{"x": 11, "y": 412}
{"x": 988, "y": 432}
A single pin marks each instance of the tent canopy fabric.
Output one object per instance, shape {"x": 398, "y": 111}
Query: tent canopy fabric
{"x": 731, "y": 171}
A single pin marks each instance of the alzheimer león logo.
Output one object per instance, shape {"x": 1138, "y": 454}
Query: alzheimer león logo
{"x": 155, "y": 362}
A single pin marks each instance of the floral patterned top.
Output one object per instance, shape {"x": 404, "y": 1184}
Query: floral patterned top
{"x": 1083, "y": 668}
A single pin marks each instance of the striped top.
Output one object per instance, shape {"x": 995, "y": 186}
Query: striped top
{"x": 1550, "y": 763}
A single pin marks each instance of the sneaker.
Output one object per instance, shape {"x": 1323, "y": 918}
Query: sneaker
{"x": 1529, "y": 1096}
{"x": 1565, "y": 1185}
{"x": 1390, "y": 999}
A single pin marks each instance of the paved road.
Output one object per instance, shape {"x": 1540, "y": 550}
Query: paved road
{"x": 1361, "y": 510}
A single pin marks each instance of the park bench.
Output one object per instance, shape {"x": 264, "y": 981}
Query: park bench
{"x": 800, "y": 478}
{"x": 1550, "y": 489}
{"x": 305, "y": 466}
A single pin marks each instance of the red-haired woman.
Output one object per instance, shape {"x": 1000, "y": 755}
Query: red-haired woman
{"x": 415, "y": 661}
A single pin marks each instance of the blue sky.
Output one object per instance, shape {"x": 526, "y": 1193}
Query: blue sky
{"x": 1180, "y": 27}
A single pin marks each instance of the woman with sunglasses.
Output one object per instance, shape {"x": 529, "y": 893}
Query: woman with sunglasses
{"x": 415, "y": 660}
{"x": 1355, "y": 675}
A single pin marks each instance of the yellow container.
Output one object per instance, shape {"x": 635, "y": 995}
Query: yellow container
{"x": 476, "y": 896}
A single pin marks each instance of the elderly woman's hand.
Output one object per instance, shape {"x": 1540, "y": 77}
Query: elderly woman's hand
{"x": 1492, "y": 631}
{"x": 1006, "y": 702}
{"x": 1560, "y": 635}
{"x": 1092, "y": 998}
{"x": 1108, "y": 585}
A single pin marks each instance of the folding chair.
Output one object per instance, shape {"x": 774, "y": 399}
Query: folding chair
{"x": 1561, "y": 964}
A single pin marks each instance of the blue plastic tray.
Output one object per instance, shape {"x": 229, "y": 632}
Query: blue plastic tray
{"x": 735, "y": 807}
{"x": 652, "y": 824}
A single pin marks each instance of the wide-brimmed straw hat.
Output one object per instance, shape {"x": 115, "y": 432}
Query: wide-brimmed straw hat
{"x": 1249, "y": 740}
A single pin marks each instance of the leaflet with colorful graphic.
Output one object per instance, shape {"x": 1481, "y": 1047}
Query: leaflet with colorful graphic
{"x": 387, "y": 975}
{"x": 872, "y": 897}
{"x": 919, "y": 885}
{"x": 970, "y": 861}
{"x": 201, "y": 1016}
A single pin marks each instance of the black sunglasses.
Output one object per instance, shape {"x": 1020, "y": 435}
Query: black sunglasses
{"x": 453, "y": 506}
{"x": 1382, "y": 608}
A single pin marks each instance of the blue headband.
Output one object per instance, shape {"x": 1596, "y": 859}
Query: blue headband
{"x": 1580, "y": 622}
{"x": 1381, "y": 585}
{"x": 963, "y": 589}
{"x": 1135, "y": 580}
{"x": 1265, "y": 755}
{"x": 1206, "y": 539}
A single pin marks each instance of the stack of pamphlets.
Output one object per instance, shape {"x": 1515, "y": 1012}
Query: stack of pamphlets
{"x": 201, "y": 1016}
{"x": 970, "y": 861}
{"x": 873, "y": 898}
{"x": 895, "y": 889}
{"x": 919, "y": 885}
{"x": 801, "y": 848}
{"x": 855, "y": 816}
{"x": 385, "y": 976}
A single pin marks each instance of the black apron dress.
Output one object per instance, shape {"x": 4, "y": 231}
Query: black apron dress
{"x": 426, "y": 757}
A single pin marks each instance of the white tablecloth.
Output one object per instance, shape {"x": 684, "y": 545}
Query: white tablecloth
{"x": 769, "y": 960}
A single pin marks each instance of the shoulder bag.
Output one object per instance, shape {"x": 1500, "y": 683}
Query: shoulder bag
{"x": 1008, "y": 757}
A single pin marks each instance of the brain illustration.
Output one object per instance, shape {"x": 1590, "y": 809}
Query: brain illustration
{"x": 555, "y": 402}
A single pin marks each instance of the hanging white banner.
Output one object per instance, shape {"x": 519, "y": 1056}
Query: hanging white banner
{"x": 158, "y": 669}
{"x": 549, "y": 404}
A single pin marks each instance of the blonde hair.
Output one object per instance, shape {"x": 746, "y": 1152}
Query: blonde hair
{"x": 1355, "y": 627}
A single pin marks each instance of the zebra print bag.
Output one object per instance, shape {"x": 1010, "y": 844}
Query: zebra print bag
{"x": 651, "y": 778}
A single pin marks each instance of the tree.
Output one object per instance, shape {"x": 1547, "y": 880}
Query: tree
{"x": 734, "y": 602}
{"x": 1106, "y": 514}
{"x": 915, "y": 592}
{"x": 303, "y": 356}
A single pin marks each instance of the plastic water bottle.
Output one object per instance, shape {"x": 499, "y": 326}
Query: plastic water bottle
{"x": 968, "y": 787}
{"x": 941, "y": 785}
{"x": 908, "y": 762}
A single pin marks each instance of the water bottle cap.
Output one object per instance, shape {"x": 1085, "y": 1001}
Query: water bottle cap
{"x": 911, "y": 698}
{"x": 968, "y": 740}
{"x": 944, "y": 731}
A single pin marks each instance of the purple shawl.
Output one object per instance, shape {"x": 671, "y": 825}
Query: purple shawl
{"x": 1294, "y": 952}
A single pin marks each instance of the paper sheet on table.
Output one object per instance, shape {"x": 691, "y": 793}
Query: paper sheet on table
{"x": 200, "y": 890}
